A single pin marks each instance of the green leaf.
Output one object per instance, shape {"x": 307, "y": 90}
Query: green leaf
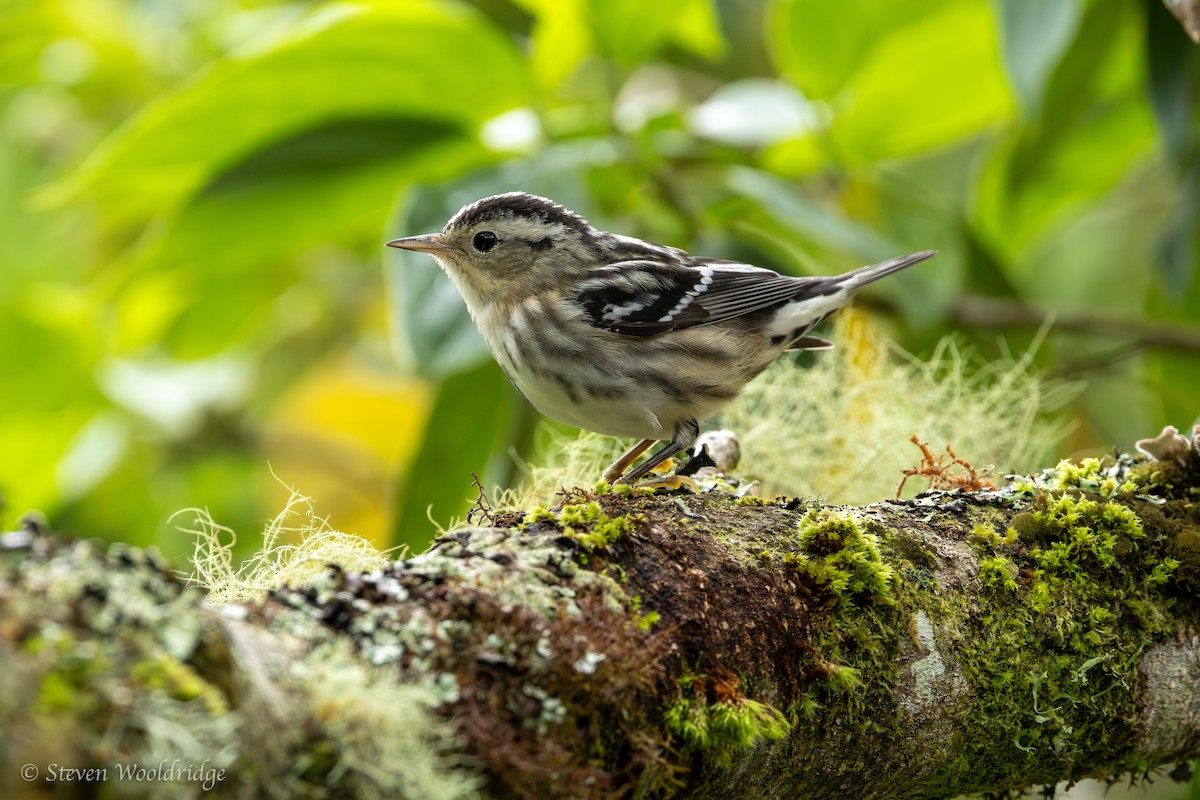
{"x": 1174, "y": 66}
{"x": 1096, "y": 65}
{"x": 1035, "y": 34}
{"x": 330, "y": 181}
{"x": 1015, "y": 205}
{"x": 1179, "y": 249}
{"x": 819, "y": 45}
{"x": 698, "y": 29}
{"x": 808, "y": 223}
{"x": 561, "y": 40}
{"x": 1099, "y": 259}
{"x": 633, "y": 30}
{"x": 466, "y": 431}
{"x": 826, "y": 241}
{"x": 566, "y": 32}
{"x": 345, "y": 62}
{"x": 929, "y": 85}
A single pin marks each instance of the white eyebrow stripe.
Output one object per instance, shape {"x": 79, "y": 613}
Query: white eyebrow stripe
{"x": 706, "y": 279}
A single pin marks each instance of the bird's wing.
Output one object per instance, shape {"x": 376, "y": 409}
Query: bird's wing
{"x": 644, "y": 297}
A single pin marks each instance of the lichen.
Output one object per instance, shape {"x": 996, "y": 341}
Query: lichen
{"x": 296, "y": 546}
{"x": 378, "y": 735}
{"x": 111, "y": 646}
{"x": 104, "y": 644}
{"x": 524, "y": 647}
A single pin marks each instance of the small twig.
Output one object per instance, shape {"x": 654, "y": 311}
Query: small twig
{"x": 482, "y": 506}
{"x": 991, "y": 313}
{"x": 937, "y": 471}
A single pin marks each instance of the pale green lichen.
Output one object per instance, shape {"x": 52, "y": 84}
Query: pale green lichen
{"x": 378, "y": 737}
{"x": 928, "y": 670}
{"x": 104, "y": 645}
{"x": 110, "y": 646}
{"x": 296, "y": 546}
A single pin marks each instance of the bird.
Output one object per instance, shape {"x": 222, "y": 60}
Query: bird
{"x": 621, "y": 336}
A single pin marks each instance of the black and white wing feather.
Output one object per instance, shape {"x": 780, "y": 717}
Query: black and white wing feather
{"x": 644, "y": 298}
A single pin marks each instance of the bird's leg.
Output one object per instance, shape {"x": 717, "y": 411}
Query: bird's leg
{"x": 618, "y": 467}
{"x": 685, "y": 435}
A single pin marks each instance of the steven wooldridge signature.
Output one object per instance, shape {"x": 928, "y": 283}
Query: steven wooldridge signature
{"x": 204, "y": 774}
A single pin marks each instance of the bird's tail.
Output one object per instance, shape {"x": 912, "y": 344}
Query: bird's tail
{"x": 857, "y": 278}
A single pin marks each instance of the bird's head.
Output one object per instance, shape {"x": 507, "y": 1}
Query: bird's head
{"x": 508, "y": 244}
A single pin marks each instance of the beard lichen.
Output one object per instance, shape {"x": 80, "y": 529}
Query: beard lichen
{"x": 839, "y": 427}
{"x": 297, "y": 545}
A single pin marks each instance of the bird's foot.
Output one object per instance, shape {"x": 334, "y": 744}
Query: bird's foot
{"x": 670, "y": 483}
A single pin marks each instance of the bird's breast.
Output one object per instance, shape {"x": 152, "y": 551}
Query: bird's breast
{"x": 620, "y": 385}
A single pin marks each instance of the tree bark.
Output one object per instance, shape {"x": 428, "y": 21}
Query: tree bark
{"x": 619, "y": 644}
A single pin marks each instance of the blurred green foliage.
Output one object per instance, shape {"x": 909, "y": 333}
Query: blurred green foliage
{"x": 195, "y": 194}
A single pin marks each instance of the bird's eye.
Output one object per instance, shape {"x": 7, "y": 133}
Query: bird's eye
{"x": 484, "y": 241}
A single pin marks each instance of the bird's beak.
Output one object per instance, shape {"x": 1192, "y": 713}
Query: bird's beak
{"x": 429, "y": 243}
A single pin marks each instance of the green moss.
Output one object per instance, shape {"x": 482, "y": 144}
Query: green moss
{"x": 579, "y": 514}
{"x": 985, "y": 534}
{"x": 866, "y": 611}
{"x": 751, "y": 500}
{"x": 719, "y": 730}
{"x": 1162, "y": 571}
{"x": 538, "y": 514}
{"x": 997, "y": 573}
{"x": 585, "y": 522}
{"x": 1052, "y": 654}
{"x": 647, "y": 621}
{"x": 836, "y": 553}
{"x": 161, "y": 673}
{"x": 843, "y": 678}
{"x": 1074, "y": 537}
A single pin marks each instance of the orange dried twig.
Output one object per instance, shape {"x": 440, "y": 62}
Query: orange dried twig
{"x": 937, "y": 471}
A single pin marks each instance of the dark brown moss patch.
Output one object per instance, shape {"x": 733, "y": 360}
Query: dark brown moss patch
{"x": 722, "y": 609}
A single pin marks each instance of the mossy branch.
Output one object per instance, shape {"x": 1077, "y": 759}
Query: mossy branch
{"x": 621, "y": 644}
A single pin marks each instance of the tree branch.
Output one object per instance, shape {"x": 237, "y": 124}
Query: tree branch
{"x": 622, "y": 644}
{"x": 993, "y": 313}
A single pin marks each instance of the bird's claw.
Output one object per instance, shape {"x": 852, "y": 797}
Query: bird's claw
{"x": 670, "y": 483}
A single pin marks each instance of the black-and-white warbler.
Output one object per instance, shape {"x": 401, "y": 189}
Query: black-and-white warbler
{"x": 620, "y": 336}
